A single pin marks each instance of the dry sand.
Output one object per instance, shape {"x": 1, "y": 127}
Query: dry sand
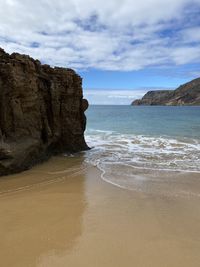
{"x": 61, "y": 213}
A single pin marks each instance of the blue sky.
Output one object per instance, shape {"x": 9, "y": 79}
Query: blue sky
{"x": 121, "y": 48}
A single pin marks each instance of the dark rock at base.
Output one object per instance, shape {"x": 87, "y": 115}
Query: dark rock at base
{"x": 187, "y": 94}
{"x": 41, "y": 112}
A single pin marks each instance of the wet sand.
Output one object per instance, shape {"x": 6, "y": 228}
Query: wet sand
{"x": 61, "y": 213}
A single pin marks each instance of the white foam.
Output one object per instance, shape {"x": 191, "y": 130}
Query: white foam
{"x": 142, "y": 153}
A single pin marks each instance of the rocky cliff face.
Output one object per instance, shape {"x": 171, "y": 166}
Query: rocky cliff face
{"x": 153, "y": 98}
{"x": 41, "y": 112}
{"x": 187, "y": 94}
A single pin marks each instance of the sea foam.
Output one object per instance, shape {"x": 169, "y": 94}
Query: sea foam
{"x": 136, "y": 162}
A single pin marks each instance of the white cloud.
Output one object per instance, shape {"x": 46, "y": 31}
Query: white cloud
{"x": 191, "y": 34}
{"x": 113, "y": 97}
{"x": 182, "y": 55}
{"x": 119, "y": 35}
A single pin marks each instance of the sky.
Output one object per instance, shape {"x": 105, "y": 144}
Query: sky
{"x": 121, "y": 49}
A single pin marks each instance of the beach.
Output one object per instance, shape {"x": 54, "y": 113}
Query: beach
{"x": 61, "y": 213}
{"x": 100, "y": 133}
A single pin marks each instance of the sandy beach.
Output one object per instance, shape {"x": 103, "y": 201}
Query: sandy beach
{"x": 61, "y": 213}
{"x": 99, "y": 133}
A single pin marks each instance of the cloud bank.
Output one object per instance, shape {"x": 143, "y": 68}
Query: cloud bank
{"x": 116, "y": 35}
{"x": 113, "y": 97}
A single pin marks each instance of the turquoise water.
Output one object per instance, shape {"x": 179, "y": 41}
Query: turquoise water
{"x": 139, "y": 148}
{"x": 151, "y": 121}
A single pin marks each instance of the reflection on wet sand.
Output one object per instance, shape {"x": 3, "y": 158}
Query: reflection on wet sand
{"x": 62, "y": 213}
{"x": 41, "y": 212}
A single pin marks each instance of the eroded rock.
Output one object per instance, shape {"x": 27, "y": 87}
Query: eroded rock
{"x": 41, "y": 112}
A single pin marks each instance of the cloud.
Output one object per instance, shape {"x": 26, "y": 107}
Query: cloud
{"x": 118, "y": 35}
{"x": 113, "y": 97}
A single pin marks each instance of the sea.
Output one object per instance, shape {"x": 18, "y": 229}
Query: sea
{"x": 151, "y": 149}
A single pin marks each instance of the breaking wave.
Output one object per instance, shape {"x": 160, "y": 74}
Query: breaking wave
{"x": 145, "y": 163}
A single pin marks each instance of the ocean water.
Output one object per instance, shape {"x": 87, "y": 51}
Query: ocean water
{"x": 148, "y": 149}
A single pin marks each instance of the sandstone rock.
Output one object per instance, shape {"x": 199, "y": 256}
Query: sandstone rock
{"x": 41, "y": 112}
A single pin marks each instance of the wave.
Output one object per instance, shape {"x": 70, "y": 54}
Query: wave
{"x": 135, "y": 161}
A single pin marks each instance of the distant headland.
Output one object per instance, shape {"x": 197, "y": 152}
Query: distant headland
{"x": 186, "y": 95}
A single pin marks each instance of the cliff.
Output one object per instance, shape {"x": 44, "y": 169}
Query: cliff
{"x": 41, "y": 112}
{"x": 185, "y": 95}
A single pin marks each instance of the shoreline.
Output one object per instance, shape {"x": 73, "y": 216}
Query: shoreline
{"x": 66, "y": 215}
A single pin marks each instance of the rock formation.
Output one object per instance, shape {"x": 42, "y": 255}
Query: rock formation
{"x": 41, "y": 112}
{"x": 185, "y": 95}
